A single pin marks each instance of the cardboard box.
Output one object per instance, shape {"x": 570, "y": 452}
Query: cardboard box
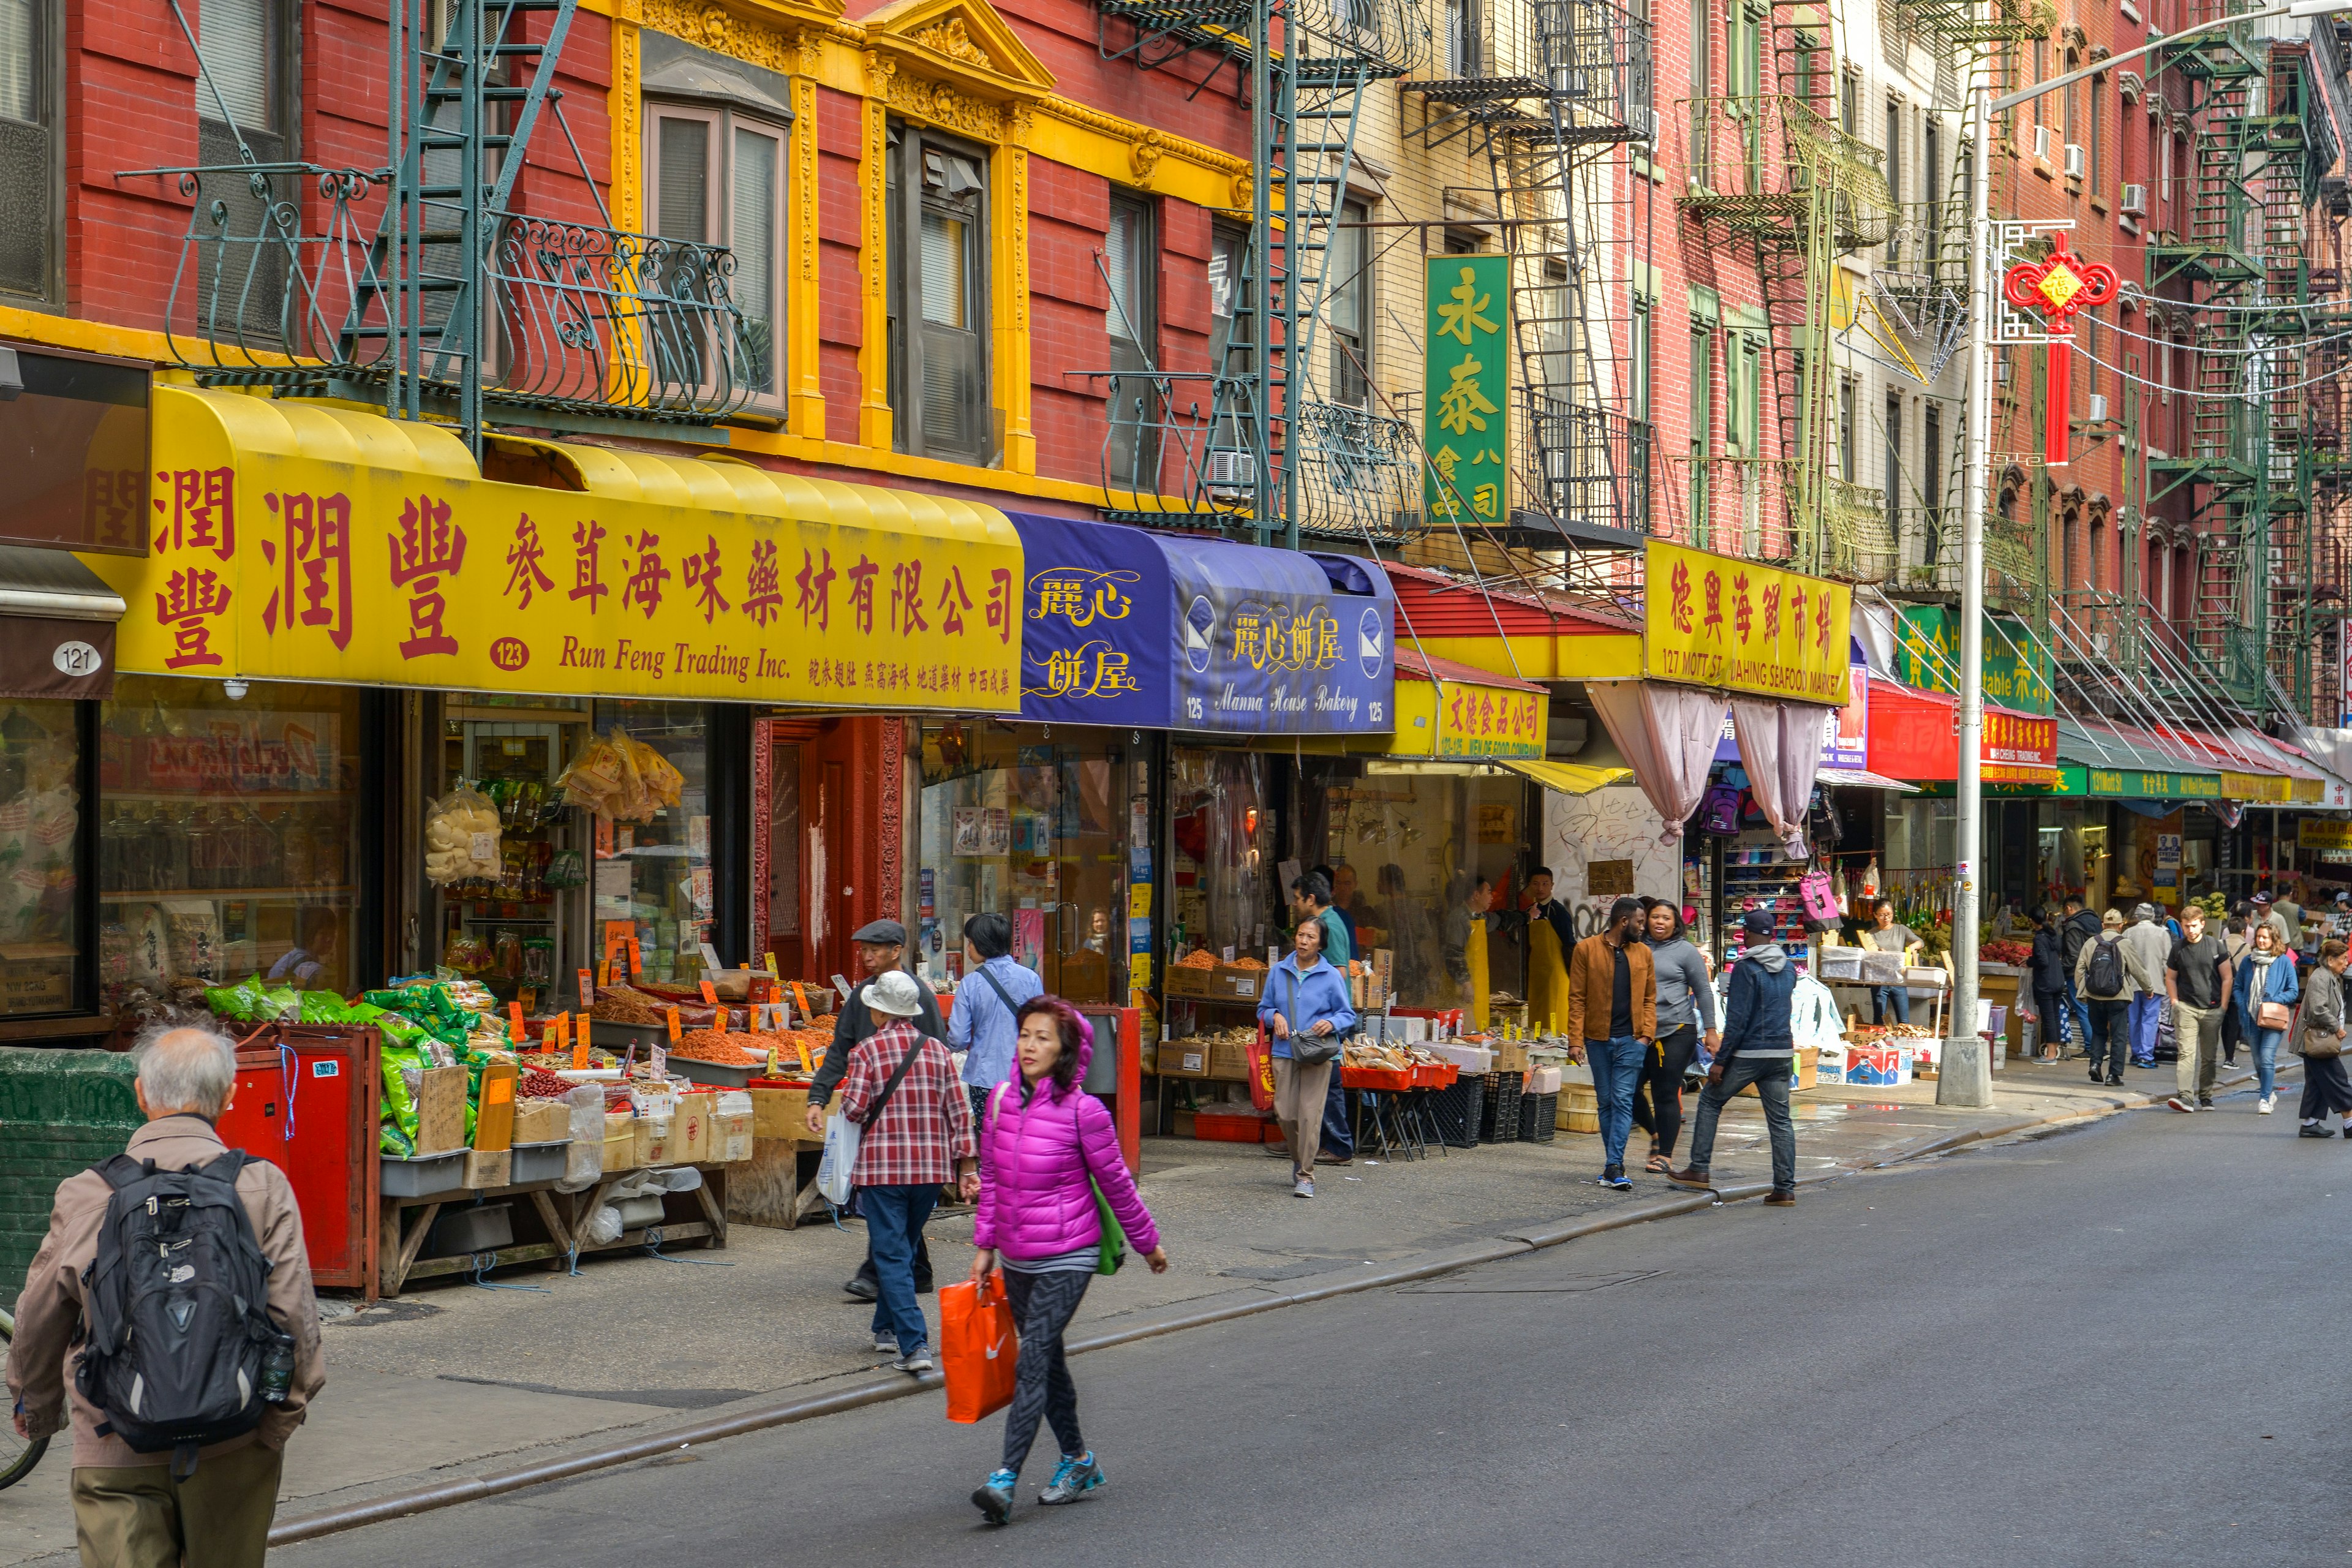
{"x": 1185, "y": 980}
{"x": 1878, "y": 1066}
{"x": 441, "y": 1110}
{"x": 1384, "y": 961}
{"x": 1229, "y": 1061}
{"x": 1511, "y": 1055}
{"x": 690, "y": 1132}
{"x": 1232, "y": 985}
{"x": 654, "y": 1142}
{"x": 731, "y": 1138}
{"x": 781, "y": 1113}
{"x": 1184, "y": 1058}
{"x": 542, "y": 1122}
{"x": 489, "y": 1167}
{"x": 494, "y": 1116}
{"x": 620, "y": 1142}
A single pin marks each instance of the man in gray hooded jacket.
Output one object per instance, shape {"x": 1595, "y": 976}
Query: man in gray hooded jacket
{"x": 1759, "y": 1047}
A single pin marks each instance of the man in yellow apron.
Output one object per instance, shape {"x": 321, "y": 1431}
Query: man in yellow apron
{"x": 1465, "y": 943}
{"x": 1551, "y": 931}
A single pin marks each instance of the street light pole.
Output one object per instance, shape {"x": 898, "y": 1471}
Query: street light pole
{"x": 1964, "y": 1076}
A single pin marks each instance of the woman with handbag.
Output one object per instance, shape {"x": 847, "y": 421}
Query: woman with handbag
{"x": 2264, "y": 995}
{"x": 2320, "y": 1044}
{"x": 1306, "y": 1012}
{"x": 1057, "y": 1207}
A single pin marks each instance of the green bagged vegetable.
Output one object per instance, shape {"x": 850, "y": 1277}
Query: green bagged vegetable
{"x": 391, "y": 1140}
{"x": 245, "y": 1001}
{"x": 322, "y": 1007}
{"x": 403, "y": 1067}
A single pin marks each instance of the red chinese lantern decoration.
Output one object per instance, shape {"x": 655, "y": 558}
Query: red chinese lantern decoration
{"x": 2057, "y": 290}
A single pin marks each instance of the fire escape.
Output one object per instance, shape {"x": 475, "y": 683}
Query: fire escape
{"x": 1551, "y": 91}
{"x": 1773, "y": 178}
{"x": 423, "y": 287}
{"x": 2261, "y": 145}
{"x": 1273, "y": 440}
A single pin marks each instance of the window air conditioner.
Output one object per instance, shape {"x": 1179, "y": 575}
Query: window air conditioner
{"x": 1657, "y": 128}
{"x": 2076, "y": 160}
{"x": 1232, "y": 470}
{"x": 2041, "y": 142}
{"x": 2098, "y": 407}
{"x": 2135, "y": 201}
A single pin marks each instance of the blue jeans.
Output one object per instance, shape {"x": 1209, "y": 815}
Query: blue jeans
{"x": 1616, "y": 1069}
{"x": 2266, "y": 1049}
{"x": 2082, "y": 1017}
{"x": 2147, "y": 1017}
{"x": 1894, "y": 999}
{"x": 1771, "y": 1077}
{"x": 894, "y": 1225}
{"x": 1337, "y": 1136}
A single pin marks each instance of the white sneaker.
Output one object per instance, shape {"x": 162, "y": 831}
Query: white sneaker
{"x": 2264, "y": 1108}
{"x": 1302, "y": 1187}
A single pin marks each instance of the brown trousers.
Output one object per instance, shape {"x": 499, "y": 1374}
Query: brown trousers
{"x": 138, "y": 1517}
{"x": 1299, "y": 1095}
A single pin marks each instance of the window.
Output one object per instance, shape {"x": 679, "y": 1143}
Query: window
{"x": 46, "y": 931}
{"x": 28, "y": 149}
{"x": 244, "y": 102}
{"x": 1845, "y": 430}
{"x": 1745, "y": 386}
{"x": 1345, "y": 311}
{"x": 1638, "y": 344}
{"x": 1894, "y": 451}
{"x": 1463, "y": 55}
{"x": 1931, "y": 446}
{"x": 1702, "y": 52}
{"x": 1132, "y": 447}
{"x": 2091, "y": 356}
{"x": 2098, "y": 150}
{"x": 1895, "y": 176}
{"x": 1850, "y": 103}
{"x": 939, "y": 298}
{"x": 2069, "y": 121}
{"x": 715, "y": 176}
{"x": 1931, "y": 185}
{"x": 2041, "y": 75}
{"x": 1702, "y": 419}
{"x": 2098, "y": 555}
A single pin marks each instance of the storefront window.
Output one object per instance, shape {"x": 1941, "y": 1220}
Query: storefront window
{"x": 656, "y": 875}
{"x": 40, "y": 820}
{"x": 228, "y": 839}
{"x": 1037, "y": 828}
{"x": 1221, "y": 844}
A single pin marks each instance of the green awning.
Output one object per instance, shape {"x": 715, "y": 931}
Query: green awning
{"x": 2103, "y": 764}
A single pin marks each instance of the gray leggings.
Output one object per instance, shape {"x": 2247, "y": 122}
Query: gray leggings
{"x": 1043, "y": 1305}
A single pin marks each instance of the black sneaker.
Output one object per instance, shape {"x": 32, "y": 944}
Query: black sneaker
{"x": 2308, "y": 1131}
{"x": 860, "y": 1289}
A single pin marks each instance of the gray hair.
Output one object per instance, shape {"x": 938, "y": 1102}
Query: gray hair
{"x": 186, "y": 1067}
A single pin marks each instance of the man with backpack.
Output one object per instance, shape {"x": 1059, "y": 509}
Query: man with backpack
{"x": 2107, "y": 976}
{"x": 182, "y": 1404}
{"x": 2079, "y": 927}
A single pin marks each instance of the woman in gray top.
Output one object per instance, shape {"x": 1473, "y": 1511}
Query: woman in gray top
{"x": 1685, "y": 999}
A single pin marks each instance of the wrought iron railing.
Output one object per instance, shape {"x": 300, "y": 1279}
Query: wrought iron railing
{"x": 1176, "y": 435}
{"x": 1590, "y": 464}
{"x": 1760, "y": 163}
{"x": 1572, "y": 72}
{"x": 1733, "y": 506}
{"x": 1858, "y": 535}
{"x": 282, "y": 279}
{"x": 1361, "y": 475}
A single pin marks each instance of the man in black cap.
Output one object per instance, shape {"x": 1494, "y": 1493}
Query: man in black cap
{"x": 881, "y": 947}
{"x": 1758, "y": 1047}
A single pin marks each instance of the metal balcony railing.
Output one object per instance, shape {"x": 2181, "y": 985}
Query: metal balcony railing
{"x": 2015, "y": 572}
{"x": 1590, "y": 464}
{"x": 1566, "y": 72}
{"x": 281, "y": 280}
{"x": 1733, "y": 506}
{"x": 1857, "y": 534}
{"x": 1761, "y": 164}
{"x": 1361, "y": 475}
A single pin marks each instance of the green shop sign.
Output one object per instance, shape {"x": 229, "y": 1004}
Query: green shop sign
{"x": 2103, "y": 783}
{"x": 1465, "y": 425}
{"x": 2017, "y": 670}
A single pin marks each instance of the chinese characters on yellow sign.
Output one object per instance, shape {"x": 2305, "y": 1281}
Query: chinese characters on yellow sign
{"x": 1713, "y": 621}
{"x": 268, "y": 560}
{"x": 1465, "y": 429}
{"x": 1481, "y": 721}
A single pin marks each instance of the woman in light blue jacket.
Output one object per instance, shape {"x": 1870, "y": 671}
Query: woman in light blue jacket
{"x": 1305, "y": 998}
{"x": 2265, "y": 974}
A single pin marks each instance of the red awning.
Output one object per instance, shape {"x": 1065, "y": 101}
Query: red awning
{"x": 1413, "y": 666}
{"x": 1914, "y": 735}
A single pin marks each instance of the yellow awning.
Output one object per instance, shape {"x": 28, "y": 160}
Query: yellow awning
{"x": 295, "y": 540}
{"x": 1569, "y": 778}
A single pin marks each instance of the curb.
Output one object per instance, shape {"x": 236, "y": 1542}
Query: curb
{"x": 1168, "y": 1321}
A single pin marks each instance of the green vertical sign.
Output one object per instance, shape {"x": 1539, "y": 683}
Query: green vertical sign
{"x": 1465, "y": 425}
{"x": 2017, "y": 670}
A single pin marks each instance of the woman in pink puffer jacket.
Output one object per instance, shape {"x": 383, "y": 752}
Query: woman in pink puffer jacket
{"x": 1046, "y": 1145}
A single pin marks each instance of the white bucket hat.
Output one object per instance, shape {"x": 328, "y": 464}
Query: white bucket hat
{"x": 894, "y": 992}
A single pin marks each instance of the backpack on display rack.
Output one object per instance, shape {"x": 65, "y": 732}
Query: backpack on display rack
{"x": 1720, "y": 815}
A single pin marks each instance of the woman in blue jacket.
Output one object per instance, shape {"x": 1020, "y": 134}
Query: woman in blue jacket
{"x": 2265, "y": 974}
{"x": 1306, "y": 998}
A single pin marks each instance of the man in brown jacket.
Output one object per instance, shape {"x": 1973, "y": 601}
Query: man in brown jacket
{"x": 1612, "y": 1009}
{"x": 128, "y": 1510}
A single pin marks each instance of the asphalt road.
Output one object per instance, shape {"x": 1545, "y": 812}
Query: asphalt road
{"x": 2116, "y": 1345}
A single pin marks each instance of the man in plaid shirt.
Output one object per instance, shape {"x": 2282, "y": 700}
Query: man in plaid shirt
{"x": 922, "y": 1141}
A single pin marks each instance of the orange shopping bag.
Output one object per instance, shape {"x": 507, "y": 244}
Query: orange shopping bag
{"x": 1261, "y": 1071}
{"x": 977, "y": 1348}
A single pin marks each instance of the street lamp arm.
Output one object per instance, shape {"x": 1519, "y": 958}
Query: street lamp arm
{"x": 2298, "y": 8}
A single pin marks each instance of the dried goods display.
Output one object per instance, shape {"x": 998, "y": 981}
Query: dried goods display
{"x": 618, "y": 777}
{"x": 461, "y": 836}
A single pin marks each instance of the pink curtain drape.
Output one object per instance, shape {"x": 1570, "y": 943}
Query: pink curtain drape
{"x": 1667, "y": 735}
{"x": 1780, "y": 747}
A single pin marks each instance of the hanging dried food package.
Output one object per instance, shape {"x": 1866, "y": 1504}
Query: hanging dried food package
{"x": 461, "y": 836}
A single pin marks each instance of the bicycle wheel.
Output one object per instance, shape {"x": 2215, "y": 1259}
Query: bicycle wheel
{"x": 17, "y": 1456}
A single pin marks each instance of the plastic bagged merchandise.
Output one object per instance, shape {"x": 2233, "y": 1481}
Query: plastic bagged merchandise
{"x": 461, "y": 836}
{"x": 673, "y": 1179}
{"x": 403, "y": 1071}
{"x": 604, "y": 1226}
{"x": 618, "y": 777}
{"x": 584, "y": 1158}
{"x": 322, "y": 1007}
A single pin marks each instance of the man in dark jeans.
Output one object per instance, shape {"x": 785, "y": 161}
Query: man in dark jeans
{"x": 2079, "y": 927}
{"x": 1759, "y": 1047}
{"x": 881, "y": 947}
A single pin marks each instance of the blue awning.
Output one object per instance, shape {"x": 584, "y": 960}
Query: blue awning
{"x": 1125, "y": 626}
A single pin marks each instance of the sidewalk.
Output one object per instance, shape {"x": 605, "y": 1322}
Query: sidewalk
{"x": 450, "y": 1380}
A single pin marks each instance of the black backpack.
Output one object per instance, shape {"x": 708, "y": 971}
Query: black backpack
{"x": 178, "y": 1312}
{"x": 2106, "y": 974}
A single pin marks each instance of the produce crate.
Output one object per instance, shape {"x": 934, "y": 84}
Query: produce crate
{"x": 1237, "y": 1128}
{"x": 1536, "y": 1118}
{"x": 1458, "y": 1110}
{"x": 1498, "y": 1123}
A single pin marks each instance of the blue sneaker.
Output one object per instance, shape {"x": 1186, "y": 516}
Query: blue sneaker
{"x": 1073, "y": 1478}
{"x": 994, "y": 1496}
